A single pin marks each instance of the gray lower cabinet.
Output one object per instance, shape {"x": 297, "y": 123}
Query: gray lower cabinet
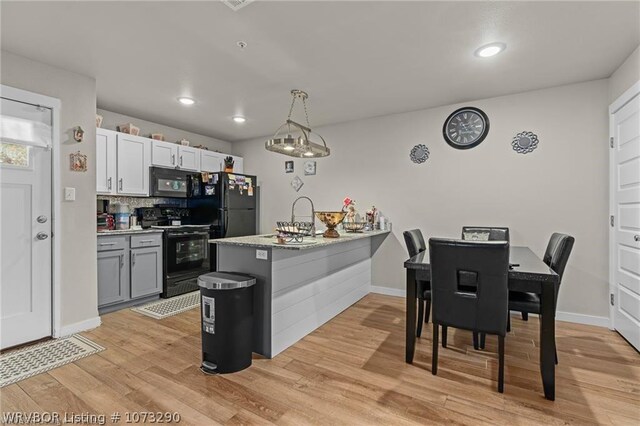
{"x": 112, "y": 277}
{"x": 146, "y": 271}
{"x": 129, "y": 270}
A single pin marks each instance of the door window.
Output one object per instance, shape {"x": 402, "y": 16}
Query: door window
{"x": 13, "y": 154}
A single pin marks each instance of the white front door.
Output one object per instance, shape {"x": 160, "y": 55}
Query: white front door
{"x": 625, "y": 236}
{"x": 25, "y": 224}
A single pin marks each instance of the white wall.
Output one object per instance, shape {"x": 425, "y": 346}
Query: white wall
{"x": 77, "y": 94}
{"x": 171, "y": 134}
{"x": 625, "y": 76}
{"x": 562, "y": 186}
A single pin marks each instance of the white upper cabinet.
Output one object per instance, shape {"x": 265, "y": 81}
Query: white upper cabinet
{"x": 105, "y": 161}
{"x": 189, "y": 158}
{"x": 211, "y": 161}
{"x": 133, "y": 161}
{"x": 123, "y": 161}
{"x": 164, "y": 154}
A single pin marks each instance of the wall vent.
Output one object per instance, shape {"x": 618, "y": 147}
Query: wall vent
{"x": 236, "y": 5}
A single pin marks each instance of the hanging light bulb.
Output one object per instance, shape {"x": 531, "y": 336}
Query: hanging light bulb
{"x": 300, "y": 146}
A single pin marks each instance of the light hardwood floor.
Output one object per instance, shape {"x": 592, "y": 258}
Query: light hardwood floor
{"x": 350, "y": 371}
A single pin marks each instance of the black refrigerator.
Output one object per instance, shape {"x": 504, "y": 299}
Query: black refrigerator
{"x": 225, "y": 201}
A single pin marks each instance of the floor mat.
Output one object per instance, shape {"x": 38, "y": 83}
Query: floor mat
{"x": 168, "y": 307}
{"x": 42, "y": 357}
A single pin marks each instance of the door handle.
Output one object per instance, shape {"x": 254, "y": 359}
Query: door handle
{"x": 41, "y": 219}
{"x": 181, "y": 160}
{"x": 120, "y": 182}
{"x": 173, "y": 159}
{"x": 121, "y": 261}
{"x": 42, "y": 236}
{"x": 636, "y": 238}
{"x": 109, "y": 184}
{"x": 133, "y": 259}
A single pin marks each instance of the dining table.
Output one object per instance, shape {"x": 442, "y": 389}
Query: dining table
{"x": 527, "y": 273}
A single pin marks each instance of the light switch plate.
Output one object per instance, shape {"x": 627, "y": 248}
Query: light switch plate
{"x": 69, "y": 194}
{"x": 262, "y": 254}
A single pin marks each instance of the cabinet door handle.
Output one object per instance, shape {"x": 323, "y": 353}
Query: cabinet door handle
{"x": 173, "y": 159}
{"x": 120, "y": 184}
{"x": 121, "y": 261}
{"x": 109, "y": 183}
{"x": 133, "y": 259}
{"x": 181, "y": 160}
{"x": 106, "y": 244}
{"x": 146, "y": 241}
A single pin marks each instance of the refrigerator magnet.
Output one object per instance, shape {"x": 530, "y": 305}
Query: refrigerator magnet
{"x": 250, "y": 191}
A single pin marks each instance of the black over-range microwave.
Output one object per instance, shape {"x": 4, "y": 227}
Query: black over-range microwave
{"x": 170, "y": 183}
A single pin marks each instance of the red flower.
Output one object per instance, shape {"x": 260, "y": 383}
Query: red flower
{"x": 347, "y": 201}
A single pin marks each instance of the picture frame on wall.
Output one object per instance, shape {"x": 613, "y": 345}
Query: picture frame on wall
{"x": 309, "y": 168}
{"x": 288, "y": 166}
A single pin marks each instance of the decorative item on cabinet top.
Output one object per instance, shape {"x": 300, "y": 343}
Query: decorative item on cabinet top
{"x": 129, "y": 128}
{"x": 99, "y": 120}
{"x": 228, "y": 164}
{"x": 300, "y": 146}
{"x": 524, "y": 142}
{"x": 419, "y": 154}
{"x": 157, "y": 136}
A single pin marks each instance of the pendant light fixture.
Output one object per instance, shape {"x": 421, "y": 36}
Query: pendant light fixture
{"x": 297, "y": 142}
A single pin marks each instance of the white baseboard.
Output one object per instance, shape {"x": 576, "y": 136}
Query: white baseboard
{"x": 67, "y": 330}
{"x": 398, "y": 292}
{"x": 583, "y": 319}
{"x": 560, "y": 316}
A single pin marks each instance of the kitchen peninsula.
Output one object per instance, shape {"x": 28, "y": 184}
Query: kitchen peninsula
{"x": 299, "y": 286}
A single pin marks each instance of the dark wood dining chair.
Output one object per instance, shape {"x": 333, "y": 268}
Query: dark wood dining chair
{"x": 483, "y": 311}
{"x": 415, "y": 244}
{"x": 556, "y": 256}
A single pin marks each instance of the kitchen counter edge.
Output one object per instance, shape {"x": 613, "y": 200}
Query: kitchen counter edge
{"x": 129, "y": 231}
{"x": 262, "y": 241}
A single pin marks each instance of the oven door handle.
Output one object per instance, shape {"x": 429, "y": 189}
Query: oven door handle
{"x": 182, "y": 234}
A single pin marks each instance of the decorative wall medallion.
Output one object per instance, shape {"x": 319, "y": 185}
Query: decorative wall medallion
{"x": 419, "y": 154}
{"x": 78, "y": 134}
{"x": 524, "y": 142}
{"x": 78, "y": 162}
{"x": 297, "y": 183}
{"x": 309, "y": 168}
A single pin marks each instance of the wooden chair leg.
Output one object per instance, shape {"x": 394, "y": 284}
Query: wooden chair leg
{"x": 556, "y": 356}
{"x": 501, "y": 364}
{"x": 483, "y": 337}
{"x": 427, "y": 311}
{"x": 444, "y": 336}
{"x": 508, "y": 322}
{"x": 476, "y": 346}
{"x": 434, "y": 351}
{"x": 525, "y": 316}
{"x": 420, "y": 314}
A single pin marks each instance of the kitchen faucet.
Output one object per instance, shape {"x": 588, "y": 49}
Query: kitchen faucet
{"x": 313, "y": 214}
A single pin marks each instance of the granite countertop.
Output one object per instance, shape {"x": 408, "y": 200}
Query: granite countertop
{"x": 129, "y": 231}
{"x": 269, "y": 241}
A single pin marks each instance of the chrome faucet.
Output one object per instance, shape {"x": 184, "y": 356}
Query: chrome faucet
{"x": 313, "y": 214}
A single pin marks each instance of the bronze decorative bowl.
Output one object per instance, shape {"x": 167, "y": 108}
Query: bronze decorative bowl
{"x": 331, "y": 220}
{"x": 353, "y": 226}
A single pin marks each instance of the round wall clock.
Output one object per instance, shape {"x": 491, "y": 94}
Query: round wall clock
{"x": 465, "y": 128}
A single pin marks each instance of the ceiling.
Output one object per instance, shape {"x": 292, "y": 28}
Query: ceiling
{"x": 356, "y": 59}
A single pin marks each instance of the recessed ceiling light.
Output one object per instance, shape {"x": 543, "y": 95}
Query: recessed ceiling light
{"x": 239, "y": 119}
{"x": 186, "y": 101}
{"x": 489, "y": 50}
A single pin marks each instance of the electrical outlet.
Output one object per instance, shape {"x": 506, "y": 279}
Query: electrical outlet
{"x": 262, "y": 254}
{"x": 69, "y": 194}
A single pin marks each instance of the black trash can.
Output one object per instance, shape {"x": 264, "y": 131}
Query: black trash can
{"x": 226, "y": 301}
